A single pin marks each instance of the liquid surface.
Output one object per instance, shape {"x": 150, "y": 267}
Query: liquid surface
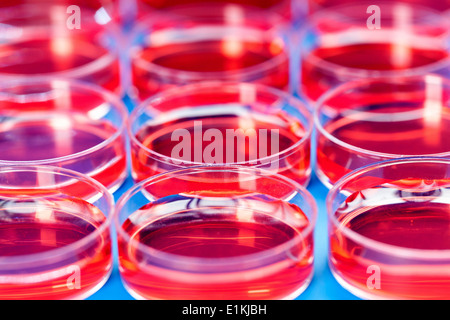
{"x": 171, "y": 3}
{"x": 417, "y": 220}
{"x": 371, "y": 57}
{"x": 211, "y": 56}
{"x": 411, "y": 130}
{"x": 221, "y": 8}
{"x": 236, "y": 139}
{"x": 235, "y": 58}
{"x": 315, "y": 5}
{"x": 48, "y": 226}
{"x": 219, "y": 235}
{"x": 73, "y": 56}
{"x": 40, "y": 136}
{"x": 47, "y": 139}
{"x": 412, "y": 225}
{"x": 406, "y": 133}
{"x": 161, "y": 138}
{"x": 47, "y": 56}
{"x": 40, "y": 225}
{"x": 216, "y": 229}
{"x": 378, "y": 56}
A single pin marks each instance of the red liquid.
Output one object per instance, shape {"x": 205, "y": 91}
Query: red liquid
{"x": 77, "y": 57}
{"x": 159, "y": 138}
{"x": 316, "y": 79}
{"x": 415, "y": 224}
{"x": 315, "y": 5}
{"x": 230, "y": 60}
{"x": 40, "y": 137}
{"x": 407, "y": 133}
{"x": 86, "y": 4}
{"x": 171, "y": 3}
{"x": 216, "y": 231}
{"x": 208, "y": 8}
{"x": 43, "y": 224}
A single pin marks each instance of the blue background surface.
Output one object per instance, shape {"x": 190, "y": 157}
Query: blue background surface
{"x": 322, "y": 287}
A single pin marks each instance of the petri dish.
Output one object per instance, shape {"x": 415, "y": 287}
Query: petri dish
{"x": 54, "y": 233}
{"x": 366, "y": 121}
{"x": 388, "y": 229}
{"x": 170, "y": 52}
{"x": 69, "y": 124}
{"x": 221, "y": 123}
{"x": 216, "y": 232}
{"x": 76, "y": 40}
{"x": 343, "y": 44}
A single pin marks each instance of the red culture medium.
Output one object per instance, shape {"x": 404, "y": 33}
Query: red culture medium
{"x": 60, "y": 123}
{"x": 245, "y": 146}
{"x": 365, "y": 57}
{"x": 210, "y": 51}
{"x": 391, "y": 240}
{"x": 53, "y": 40}
{"x": 40, "y": 225}
{"x": 217, "y": 123}
{"x": 216, "y": 233}
{"x": 366, "y": 121}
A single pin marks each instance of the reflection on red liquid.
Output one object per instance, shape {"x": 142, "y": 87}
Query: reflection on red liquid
{"x": 238, "y": 140}
{"x": 61, "y": 57}
{"x": 208, "y": 8}
{"x": 232, "y": 58}
{"x": 39, "y": 225}
{"x": 413, "y": 223}
{"x": 44, "y": 139}
{"x": 315, "y": 5}
{"x": 72, "y": 131}
{"x": 407, "y": 133}
{"x": 46, "y": 39}
{"x": 216, "y": 232}
{"x": 321, "y": 67}
{"x": 91, "y": 4}
{"x": 164, "y": 4}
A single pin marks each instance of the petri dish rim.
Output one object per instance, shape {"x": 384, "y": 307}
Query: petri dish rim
{"x": 41, "y": 257}
{"x": 384, "y": 248}
{"x": 159, "y": 97}
{"x": 355, "y": 84}
{"x": 89, "y": 89}
{"x": 213, "y": 261}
